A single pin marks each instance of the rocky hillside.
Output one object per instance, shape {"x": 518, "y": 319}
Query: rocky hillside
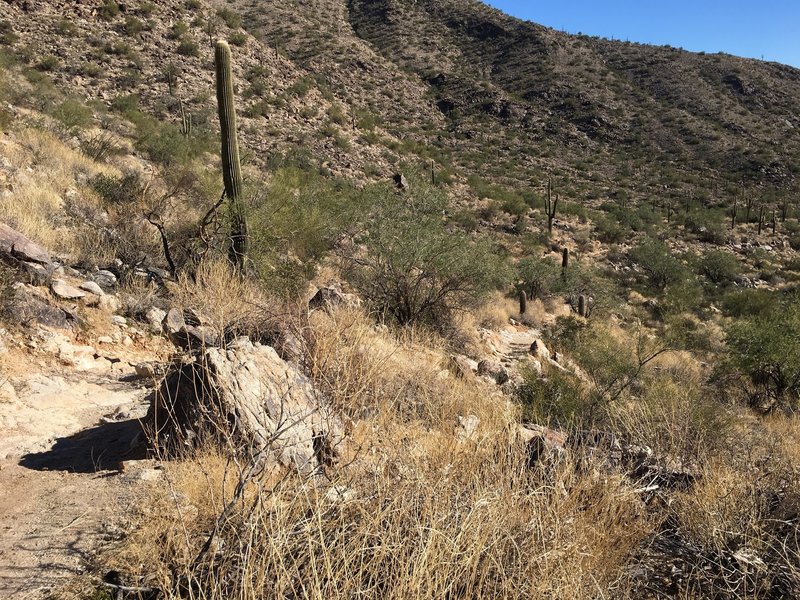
{"x": 355, "y": 87}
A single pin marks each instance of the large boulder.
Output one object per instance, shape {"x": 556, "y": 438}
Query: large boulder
{"x": 244, "y": 397}
{"x": 16, "y": 246}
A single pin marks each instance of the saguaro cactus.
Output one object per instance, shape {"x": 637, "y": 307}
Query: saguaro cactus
{"x": 733, "y": 213}
{"x": 231, "y": 167}
{"x": 523, "y": 302}
{"x": 582, "y": 306}
{"x": 550, "y": 205}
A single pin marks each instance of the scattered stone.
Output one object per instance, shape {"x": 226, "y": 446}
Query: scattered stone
{"x": 92, "y": 288}
{"x": 150, "y": 370}
{"x": 494, "y": 370}
{"x": 15, "y": 245}
{"x": 105, "y": 279}
{"x": 540, "y": 351}
{"x": 467, "y": 427}
{"x": 400, "y": 181}
{"x": 26, "y": 307}
{"x": 119, "y": 320}
{"x": 463, "y": 367}
{"x": 245, "y": 393}
{"x": 173, "y": 321}
{"x": 109, "y": 303}
{"x": 331, "y": 297}
{"x": 65, "y": 291}
{"x": 154, "y": 317}
{"x": 105, "y": 339}
{"x": 340, "y": 493}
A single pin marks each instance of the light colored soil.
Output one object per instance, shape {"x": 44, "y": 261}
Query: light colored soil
{"x": 62, "y": 437}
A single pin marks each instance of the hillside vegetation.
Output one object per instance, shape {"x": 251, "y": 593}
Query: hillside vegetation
{"x": 538, "y": 293}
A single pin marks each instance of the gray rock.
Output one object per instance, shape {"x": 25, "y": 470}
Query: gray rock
{"x": 92, "y": 288}
{"x": 193, "y": 338}
{"x": 15, "y": 245}
{"x": 26, "y": 307}
{"x": 65, "y": 291}
{"x": 154, "y": 317}
{"x": 105, "y": 279}
{"x": 119, "y": 320}
{"x": 173, "y": 321}
{"x": 247, "y": 395}
{"x": 494, "y": 370}
{"x": 331, "y": 297}
{"x": 467, "y": 427}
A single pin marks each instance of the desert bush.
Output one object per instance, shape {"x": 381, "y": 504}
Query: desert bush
{"x": 765, "y": 348}
{"x": 536, "y": 276}
{"x": 109, "y": 10}
{"x": 73, "y": 114}
{"x": 188, "y": 47}
{"x": 558, "y": 399}
{"x": 7, "y": 35}
{"x": 660, "y": 266}
{"x": 127, "y": 188}
{"x": 295, "y": 221}
{"x": 415, "y": 271}
{"x": 230, "y": 17}
{"x": 237, "y": 38}
{"x": 720, "y": 267}
{"x": 750, "y": 303}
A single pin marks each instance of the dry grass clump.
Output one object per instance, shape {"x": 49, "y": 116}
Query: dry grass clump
{"x": 47, "y": 176}
{"x": 366, "y": 371}
{"x": 228, "y": 303}
{"x": 461, "y": 520}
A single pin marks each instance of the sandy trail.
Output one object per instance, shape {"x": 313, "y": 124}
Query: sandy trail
{"x": 61, "y": 440}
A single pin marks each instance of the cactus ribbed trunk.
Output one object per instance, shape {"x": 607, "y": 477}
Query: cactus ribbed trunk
{"x": 582, "y": 305}
{"x": 523, "y": 302}
{"x": 231, "y": 167}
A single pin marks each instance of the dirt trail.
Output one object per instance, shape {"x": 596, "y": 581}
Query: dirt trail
{"x": 61, "y": 440}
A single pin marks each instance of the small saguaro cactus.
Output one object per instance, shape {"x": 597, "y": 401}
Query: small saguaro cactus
{"x": 523, "y": 302}
{"x": 774, "y": 221}
{"x": 733, "y": 213}
{"x": 582, "y": 306}
{"x": 564, "y": 260}
{"x": 760, "y": 219}
{"x": 231, "y": 167}
{"x": 550, "y": 205}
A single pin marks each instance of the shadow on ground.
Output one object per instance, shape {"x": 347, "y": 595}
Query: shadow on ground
{"x": 99, "y": 448}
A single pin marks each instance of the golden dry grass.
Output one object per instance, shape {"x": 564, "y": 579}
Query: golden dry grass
{"x": 44, "y": 171}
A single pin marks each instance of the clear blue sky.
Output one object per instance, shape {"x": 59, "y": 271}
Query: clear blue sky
{"x": 768, "y": 28}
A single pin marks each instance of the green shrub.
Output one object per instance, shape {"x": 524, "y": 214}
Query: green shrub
{"x": 66, "y": 27}
{"x": 73, "y": 114}
{"x": 237, "y": 38}
{"x": 132, "y": 26}
{"x": 109, "y": 10}
{"x": 750, "y": 303}
{"x": 7, "y": 35}
{"x": 118, "y": 190}
{"x": 557, "y": 400}
{"x": 48, "y": 63}
{"x": 230, "y": 17}
{"x": 188, "y": 47}
{"x": 414, "y": 270}
{"x": 766, "y": 349}
{"x": 660, "y": 266}
{"x": 179, "y": 29}
{"x": 536, "y": 276}
{"x": 720, "y": 267}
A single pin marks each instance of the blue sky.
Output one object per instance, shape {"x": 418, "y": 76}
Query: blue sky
{"x": 769, "y": 28}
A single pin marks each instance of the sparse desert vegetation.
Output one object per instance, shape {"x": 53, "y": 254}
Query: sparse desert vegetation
{"x": 531, "y": 333}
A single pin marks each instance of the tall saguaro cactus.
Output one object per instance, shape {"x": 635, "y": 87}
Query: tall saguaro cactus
{"x": 231, "y": 167}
